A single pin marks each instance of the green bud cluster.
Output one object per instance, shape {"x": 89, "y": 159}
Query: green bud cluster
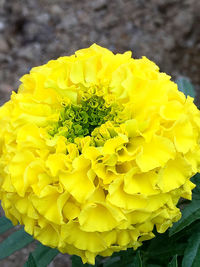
{"x": 80, "y": 120}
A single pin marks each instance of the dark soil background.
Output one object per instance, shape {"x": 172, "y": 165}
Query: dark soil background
{"x": 35, "y": 31}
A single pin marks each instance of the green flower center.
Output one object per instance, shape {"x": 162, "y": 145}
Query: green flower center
{"x": 81, "y": 119}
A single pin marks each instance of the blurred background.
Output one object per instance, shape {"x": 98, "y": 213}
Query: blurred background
{"x": 35, "y": 31}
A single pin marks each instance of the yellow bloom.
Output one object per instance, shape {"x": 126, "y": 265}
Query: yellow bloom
{"x": 96, "y": 150}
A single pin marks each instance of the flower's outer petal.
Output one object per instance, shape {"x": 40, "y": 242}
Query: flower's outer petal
{"x": 136, "y": 217}
{"x": 121, "y": 199}
{"x": 79, "y": 176}
{"x": 25, "y": 207}
{"x": 187, "y": 190}
{"x": 48, "y": 235}
{"x": 51, "y": 206}
{"x": 77, "y": 237}
{"x": 77, "y": 74}
{"x": 155, "y": 153}
{"x": 193, "y": 158}
{"x": 111, "y": 144}
{"x": 184, "y": 135}
{"x": 142, "y": 183}
{"x": 174, "y": 174}
{"x": 17, "y": 167}
{"x": 171, "y": 110}
{"x": 71, "y": 210}
{"x": 57, "y": 162}
{"x": 92, "y": 217}
{"x": 91, "y": 69}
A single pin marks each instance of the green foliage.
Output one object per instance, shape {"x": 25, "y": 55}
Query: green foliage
{"x": 192, "y": 253}
{"x": 196, "y": 191}
{"x": 127, "y": 258}
{"x": 77, "y": 262}
{"x": 137, "y": 262}
{"x": 189, "y": 214}
{"x": 185, "y": 86}
{"x": 5, "y": 224}
{"x": 14, "y": 242}
{"x": 162, "y": 247}
{"x": 174, "y": 262}
{"x": 31, "y": 261}
{"x": 41, "y": 256}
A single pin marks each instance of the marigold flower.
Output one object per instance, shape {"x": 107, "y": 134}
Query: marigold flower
{"x": 96, "y": 150}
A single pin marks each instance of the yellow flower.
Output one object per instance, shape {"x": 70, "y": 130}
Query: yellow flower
{"x": 96, "y": 150}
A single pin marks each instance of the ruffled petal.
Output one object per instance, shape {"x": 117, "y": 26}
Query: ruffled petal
{"x": 155, "y": 153}
{"x": 81, "y": 177}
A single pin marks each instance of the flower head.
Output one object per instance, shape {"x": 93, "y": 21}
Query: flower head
{"x": 96, "y": 149}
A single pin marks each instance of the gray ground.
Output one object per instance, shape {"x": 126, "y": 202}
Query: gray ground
{"x": 35, "y": 31}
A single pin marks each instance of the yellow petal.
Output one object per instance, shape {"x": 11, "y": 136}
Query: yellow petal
{"x": 47, "y": 236}
{"x": 172, "y": 110}
{"x": 57, "y": 162}
{"x": 78, "y": 183}
{"x": 183, "y": 133}
{"x": 51, "y": 206}
{"x": 70, "y": 210}
{"x": 141, "y": 183}
{"x": 92, "y": 217}
{"x": 111, "y": 144}
{"x": 174, "y": 174}
{"x": 77, "y": 237}
{"x": 76, "y": 74}
{"x": 121, "y": 199}
{"x": 155, "y": 153}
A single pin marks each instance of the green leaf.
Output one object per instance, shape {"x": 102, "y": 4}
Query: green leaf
{"x": 137, "y": 262}
{"x": 5, "y": 224}
{"x": 77, "y": 262}
{"x": 185, "y": 86}
{"x": 186, "y": 232}
{"x": 174, "y": 262}
{"x": 31, "y": 262}
{"x": 43, "y": 255}
{"x": 192, "y": 252}
{"x": 131, "y": 259}
{"x": 111, "y": 262}
{"x": 168, "y": 251}
{"x": 190, "y": 214}
{"x": 14, "y": 242}
{"x": 162, "y": 248}
{"x": 154, "y": 265}
{"x": 196, "y": 191}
